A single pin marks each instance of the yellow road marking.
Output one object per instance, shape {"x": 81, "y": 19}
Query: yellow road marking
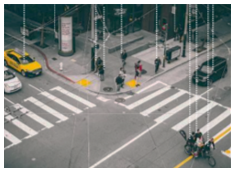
{"x": 84, "y": 82}
{"x": 132, "y": 83}
{"x": 228, "y": 151}
{"x": 215, "y": 139}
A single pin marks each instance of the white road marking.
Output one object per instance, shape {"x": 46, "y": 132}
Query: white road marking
{"x": 162, "y": 103}
{"x": 34, "y": 116}
{"x": 11, "y": 138}
{"x": 175, "y": 110}
{"x": 147, "y": 98}
{"x": 47, "y": 108}
{"x": 215, "y": 121}
{"x": 206, "y": 92}
{"x": 75, "y": 97}
{"x": 9, "y": 100}
{"x": 22, "y": 126}
{"x": 193, "y": 117}
{"x": 61, "y": 102}
{"x": 102, "y": 99}
{"x": 149, "y": 86}
{"x": 35, "y": 87}
{"x": 124, "y": 146}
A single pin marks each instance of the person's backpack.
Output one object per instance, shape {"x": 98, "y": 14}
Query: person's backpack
{"x": 118, "y": 80}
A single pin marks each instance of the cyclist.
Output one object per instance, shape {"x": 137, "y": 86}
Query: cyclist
{"x": 199, "y": 144}
{"x": 208, "y": 145}
{"x": 191, "y": 139}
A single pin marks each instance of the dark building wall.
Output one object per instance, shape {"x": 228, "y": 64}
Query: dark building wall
{"x": 148, "y": 22}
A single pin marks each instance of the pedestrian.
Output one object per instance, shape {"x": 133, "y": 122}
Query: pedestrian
{"x": 119, "y": 82}
{"x": 140, "y": 68}
{"x": 124, "y": 57}
{"x": 122, "y": 73}
{"x": 101, "y": 72}
{"x": 137, "y": 74}
{"x": 180, "y": 33}
{"x": 157, "y": 64}
{"x": 176, "y": 33}
{"x": 98, "y": 63}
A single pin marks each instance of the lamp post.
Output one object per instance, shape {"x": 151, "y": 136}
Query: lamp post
{"x": 185, "y": 32}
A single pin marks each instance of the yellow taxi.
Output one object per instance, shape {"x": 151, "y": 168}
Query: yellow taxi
{"x": 24, "y": 64}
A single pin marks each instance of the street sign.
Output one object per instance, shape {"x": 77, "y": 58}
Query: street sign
{"x": 119, "y": 11}
{"x": 173, "y": 9}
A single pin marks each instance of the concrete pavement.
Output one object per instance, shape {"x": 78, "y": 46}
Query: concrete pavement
{"x": 77, "y": 67}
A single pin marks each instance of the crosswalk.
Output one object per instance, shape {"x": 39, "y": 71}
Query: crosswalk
{"x": 178, "y": 108}
{"x": 40, "y": 112}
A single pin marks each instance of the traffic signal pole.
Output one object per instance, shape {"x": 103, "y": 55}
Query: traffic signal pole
{"x": 185, "y": 32}
{"x": 92, "y": 37}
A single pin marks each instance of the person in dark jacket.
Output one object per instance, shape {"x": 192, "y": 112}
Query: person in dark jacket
{"x": 98, "y": 63}
{"x": 119, "y": 82}
{"x": 101, "y": 72}
{"x": 157, "y": 64}
{"x": 124, "y": 57}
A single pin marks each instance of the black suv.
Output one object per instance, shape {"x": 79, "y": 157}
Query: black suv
{"x": 210, "y": 71}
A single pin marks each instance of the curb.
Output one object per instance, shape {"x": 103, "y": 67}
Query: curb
{"x": 45, "y": 58}
{"x": 104, "y": 93}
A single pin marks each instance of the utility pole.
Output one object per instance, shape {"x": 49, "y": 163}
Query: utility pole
{"x": 165, "y": 28}
{"x": 185, "y": 32}
{"x": 92, "y": 37}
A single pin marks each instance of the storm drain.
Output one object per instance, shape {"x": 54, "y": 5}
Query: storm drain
{"x": 107, "y": 89}
{"x": 120, "y": 100}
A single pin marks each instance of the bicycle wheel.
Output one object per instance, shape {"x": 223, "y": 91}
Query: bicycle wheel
{"x": 188, "y": 149}
{"x": 211, "y": 161}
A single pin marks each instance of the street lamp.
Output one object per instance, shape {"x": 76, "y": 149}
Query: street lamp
{"x": 185, "y": 32}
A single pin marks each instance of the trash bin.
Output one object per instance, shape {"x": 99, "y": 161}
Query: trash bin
{"x": 173, "y": 53}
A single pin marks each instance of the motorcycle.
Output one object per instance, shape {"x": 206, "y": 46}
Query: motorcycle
{"x": 202, "y": 153}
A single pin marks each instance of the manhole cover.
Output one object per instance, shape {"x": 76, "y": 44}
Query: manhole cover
{"x": 120, "y": 100}
{"x": 144, "y": 71}
{"x": 54, "y": 58}
{"x": 172, "y": 87}
{"x": 227, "y": 88}
{"x": 130, "y": 93}
{"x": 108, "y": 89}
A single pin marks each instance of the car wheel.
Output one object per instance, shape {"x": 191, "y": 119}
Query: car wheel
{"x": 23, "y": 73}
{"x": 5, "y": 63}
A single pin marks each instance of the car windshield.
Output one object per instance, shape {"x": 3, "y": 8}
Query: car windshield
{"x": 26, "y": 60}
{"x": 206, "y": 69}
{"x": 8, "y": 75}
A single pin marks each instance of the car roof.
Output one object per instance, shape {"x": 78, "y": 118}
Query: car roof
{"x": 17, "y": 54}
{"x": 217, "y": 60}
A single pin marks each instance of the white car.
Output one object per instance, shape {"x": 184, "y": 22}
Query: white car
{"x": 11, "y": 82}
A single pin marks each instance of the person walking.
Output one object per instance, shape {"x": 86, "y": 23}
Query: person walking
{"x": 137, "y": 74}
{"x": 101, "y": 72}
{"x": 122, "y": 73}
{"x": 176, "y": 33}
{"x": 180, "y": 33}
{"x": 119, "y": 82}
{"x": 157, "y": 64}
{"x": 124, "y": 57}
{"x": 98, "y": 63}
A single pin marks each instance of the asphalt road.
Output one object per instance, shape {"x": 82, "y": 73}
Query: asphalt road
{"x": 66, "y": 127}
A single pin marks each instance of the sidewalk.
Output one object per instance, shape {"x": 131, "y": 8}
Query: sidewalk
{"x": 76, "y": 68}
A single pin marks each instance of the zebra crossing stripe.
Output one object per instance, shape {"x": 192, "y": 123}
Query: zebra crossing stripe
{"x": 75, "y": 97}
{"x": 147, "y": 98}
{"x": 193, "y": 117}
{"x": 11, "y": 137}
{"x": 162, "y": 103}
{"x": 215, "y": 121}
{"x": 22, "y": 126}
{"x": 33, "y": 116}
{"x": 47, "y": 108}
{"x": 175, "y": 110}
{"x": 61, "y": 102}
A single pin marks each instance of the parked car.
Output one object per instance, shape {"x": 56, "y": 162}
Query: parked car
{"x": 210, "y": 71}
{"x": 24, "y": 64}
{"x": 11, "y": 82}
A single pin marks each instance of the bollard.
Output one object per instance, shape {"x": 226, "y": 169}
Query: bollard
{"x": 61, "y": 66}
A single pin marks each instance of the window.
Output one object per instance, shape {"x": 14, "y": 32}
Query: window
{"x": 206, "y": 69}
{"x": 26, "y": 60}
{"x": 8, "y": 75}
{"x": 16, "y": 59}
